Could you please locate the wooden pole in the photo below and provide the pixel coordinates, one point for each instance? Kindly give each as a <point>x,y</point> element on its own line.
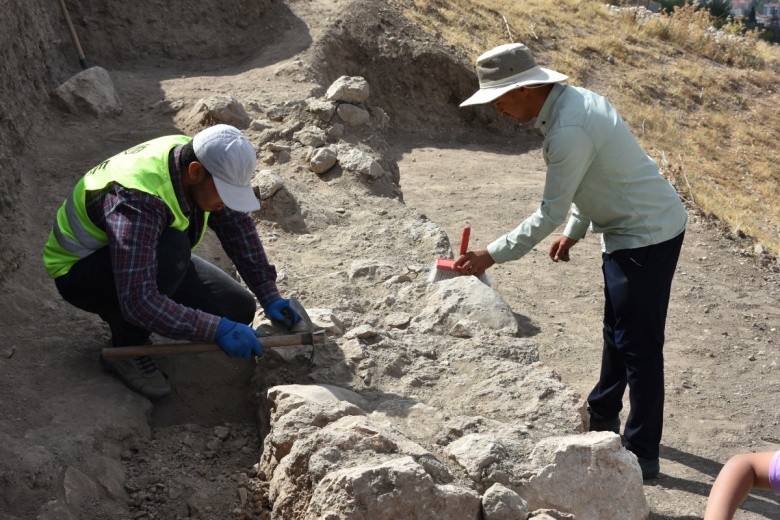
<point>82,59</point>
<point>288,340</point>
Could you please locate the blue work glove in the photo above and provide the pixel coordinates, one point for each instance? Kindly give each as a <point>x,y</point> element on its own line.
<point>281,311</point>
<point>237,339</point>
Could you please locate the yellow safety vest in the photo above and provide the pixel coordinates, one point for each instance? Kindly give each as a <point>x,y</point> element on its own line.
<point>143,168</point>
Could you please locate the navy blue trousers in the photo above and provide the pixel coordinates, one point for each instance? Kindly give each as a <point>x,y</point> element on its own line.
<point>637,284</point>
<point>185,278</point>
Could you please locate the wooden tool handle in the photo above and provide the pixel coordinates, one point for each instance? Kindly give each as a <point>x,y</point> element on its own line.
<point>288,340</point>
<point>73,37</point>
<point>464,240</point>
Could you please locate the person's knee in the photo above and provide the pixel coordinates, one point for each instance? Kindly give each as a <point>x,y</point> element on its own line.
<point>243,308</point>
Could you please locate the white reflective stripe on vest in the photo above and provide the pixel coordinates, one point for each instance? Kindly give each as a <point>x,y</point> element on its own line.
<point>70,245</point>
<point>84,243</point>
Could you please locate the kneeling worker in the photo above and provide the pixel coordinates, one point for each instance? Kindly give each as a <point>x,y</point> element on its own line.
<point>121,247</point>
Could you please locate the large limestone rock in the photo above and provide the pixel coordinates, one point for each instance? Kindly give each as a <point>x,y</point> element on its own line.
<point>476,452</point>
<point>468,303</point>
<point>352,89</point>
<point>501,503</point>
<point>359,161</point>
<point>572,464</point>
<point>89,92</point>
<point>220,109</point>
<point>323,159</point>
<point>353,115</point>
<point>266,183</point>
<point>324,109</point>
<point>311,135</point>
<point>398,488</point>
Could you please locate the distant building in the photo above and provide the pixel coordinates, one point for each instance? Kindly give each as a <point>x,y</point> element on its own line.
<point>650,5</point>
<point>772,14</point>
<point>740,8</point>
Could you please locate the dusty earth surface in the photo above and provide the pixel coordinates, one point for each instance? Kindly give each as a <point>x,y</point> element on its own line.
<point>722,336</point>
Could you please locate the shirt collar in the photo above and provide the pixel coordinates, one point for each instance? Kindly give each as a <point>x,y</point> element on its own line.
<point>175,168</point>
<point>543,119</point>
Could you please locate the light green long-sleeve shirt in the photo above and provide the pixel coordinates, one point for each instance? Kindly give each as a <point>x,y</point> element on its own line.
<point>596,169</point>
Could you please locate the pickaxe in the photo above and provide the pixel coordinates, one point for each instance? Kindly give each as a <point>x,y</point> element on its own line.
<point>312,337</point>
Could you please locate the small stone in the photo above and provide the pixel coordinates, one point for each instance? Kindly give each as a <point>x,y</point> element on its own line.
<point>237,444</point>
<point>398,320</point>
<point>460,330</point>
<point>361,332</point>
<point>401,278</point>
<point>260,125</point>
<point>283,157</point>
<point>221,432</point>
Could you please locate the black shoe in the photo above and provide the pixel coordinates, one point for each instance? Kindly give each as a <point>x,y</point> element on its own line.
<point>650,468</point>
<point>597,424</point>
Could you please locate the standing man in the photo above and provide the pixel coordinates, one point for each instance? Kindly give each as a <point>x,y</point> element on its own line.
<point>596,169</point>
<point>121,248</point>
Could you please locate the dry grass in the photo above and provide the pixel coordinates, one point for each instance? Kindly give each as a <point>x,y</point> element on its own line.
<point>705,107</point>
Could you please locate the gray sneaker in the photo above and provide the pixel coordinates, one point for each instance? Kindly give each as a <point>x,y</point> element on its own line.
<point>139,374</point>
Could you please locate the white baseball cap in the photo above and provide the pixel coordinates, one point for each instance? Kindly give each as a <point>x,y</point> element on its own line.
<point>230,158</point>
<point>506,68</point>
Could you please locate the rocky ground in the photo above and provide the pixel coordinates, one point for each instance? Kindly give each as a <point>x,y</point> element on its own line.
<point>74,437</point>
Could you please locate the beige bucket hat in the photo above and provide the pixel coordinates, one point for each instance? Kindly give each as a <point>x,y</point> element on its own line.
<point>508,67</point>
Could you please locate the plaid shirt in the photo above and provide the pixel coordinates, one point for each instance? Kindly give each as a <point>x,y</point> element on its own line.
<point>134,222</point>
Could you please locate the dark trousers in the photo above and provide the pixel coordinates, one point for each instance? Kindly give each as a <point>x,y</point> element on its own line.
<point>185,278</point>
<point>637,284</point>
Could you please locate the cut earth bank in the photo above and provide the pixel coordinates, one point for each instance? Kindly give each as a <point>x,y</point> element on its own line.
<point>437,400</point>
